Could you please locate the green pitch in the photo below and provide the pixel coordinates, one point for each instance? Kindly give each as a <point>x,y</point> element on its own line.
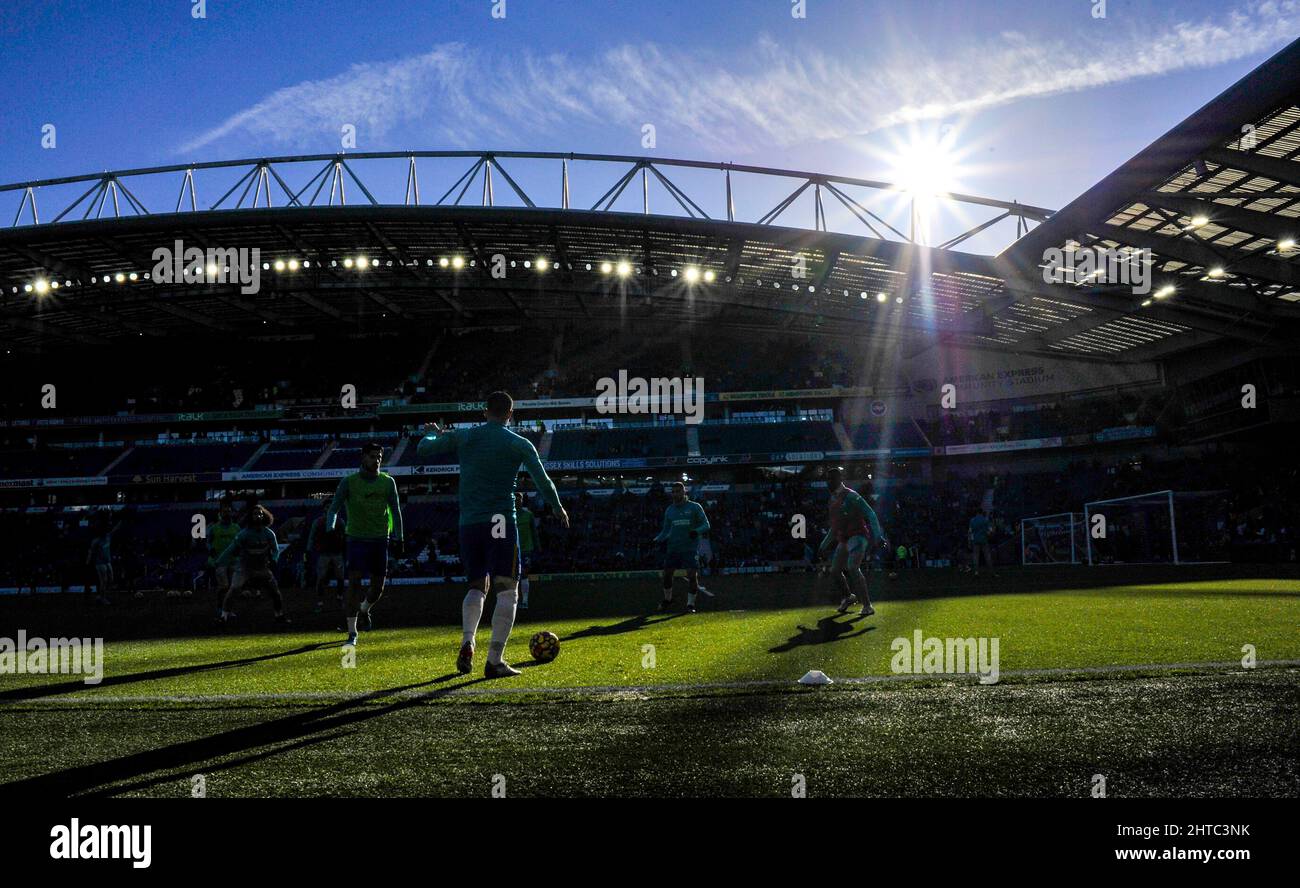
<point>284,712</point>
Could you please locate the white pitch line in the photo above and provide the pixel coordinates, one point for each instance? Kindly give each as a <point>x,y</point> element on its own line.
<point>505,690</point>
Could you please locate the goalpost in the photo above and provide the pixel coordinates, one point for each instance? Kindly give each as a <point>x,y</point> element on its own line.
<point>1052,539</point>
<point>1163,527</point>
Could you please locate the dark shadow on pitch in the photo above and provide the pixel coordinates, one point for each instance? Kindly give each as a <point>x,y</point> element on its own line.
<point>72,687</point>
<point>191,756</point>
<point>828,629</point>
<point>631,624</point>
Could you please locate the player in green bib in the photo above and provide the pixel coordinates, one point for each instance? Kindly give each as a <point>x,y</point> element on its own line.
<point>374,520</point>
<point>526,521</point>
<point>220,535</point>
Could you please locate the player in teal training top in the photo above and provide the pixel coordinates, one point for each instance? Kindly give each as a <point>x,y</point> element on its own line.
<point>849,515</point>
<point>490,456</point>
<point>684,521</point>
<point>254,551</point>
<point>374,522</point>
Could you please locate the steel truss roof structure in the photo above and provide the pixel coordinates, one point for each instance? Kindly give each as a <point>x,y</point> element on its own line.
<point>1211,206</point>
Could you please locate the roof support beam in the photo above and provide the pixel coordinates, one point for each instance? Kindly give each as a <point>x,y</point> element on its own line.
<point>1287,171</point>
<point>1264,224</point>
<point>1195,251</point>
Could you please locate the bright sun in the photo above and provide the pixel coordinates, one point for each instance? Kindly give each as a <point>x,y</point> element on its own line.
<point>925,168</point>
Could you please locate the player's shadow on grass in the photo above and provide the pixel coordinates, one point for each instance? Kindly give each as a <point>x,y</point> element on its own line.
<point>72,687</point>
<point>631,624</point>
<point>182,760</point>
<point>828,629</point>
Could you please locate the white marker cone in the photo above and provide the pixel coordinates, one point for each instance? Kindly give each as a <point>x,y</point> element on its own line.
<point>815,677</point>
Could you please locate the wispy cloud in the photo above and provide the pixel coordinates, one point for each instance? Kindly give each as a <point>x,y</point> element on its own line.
<point>777,95</point>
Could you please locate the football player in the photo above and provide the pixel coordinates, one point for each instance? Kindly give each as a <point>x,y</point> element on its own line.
<point>254,550</point>
<point>849,515</point>
<point>374,522</point>
<point>684,521</point>
<point>490,456</point>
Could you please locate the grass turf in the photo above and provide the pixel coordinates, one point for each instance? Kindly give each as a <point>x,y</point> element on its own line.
<point>399,703</point>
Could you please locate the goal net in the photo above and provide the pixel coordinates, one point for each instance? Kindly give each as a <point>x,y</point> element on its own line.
<point>1165,527</point>
<point>1053,539</point>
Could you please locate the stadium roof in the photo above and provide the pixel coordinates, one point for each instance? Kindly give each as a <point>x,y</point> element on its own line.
<point>1215,202</point>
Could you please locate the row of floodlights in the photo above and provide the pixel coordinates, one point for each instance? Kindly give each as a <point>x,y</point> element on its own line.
<point>622,268</point>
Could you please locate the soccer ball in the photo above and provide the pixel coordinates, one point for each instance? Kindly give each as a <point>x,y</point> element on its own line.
<point>545,646</point>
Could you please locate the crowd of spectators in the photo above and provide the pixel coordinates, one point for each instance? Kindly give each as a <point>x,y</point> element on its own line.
<point>1045,420</point>
<point>1249,511</point>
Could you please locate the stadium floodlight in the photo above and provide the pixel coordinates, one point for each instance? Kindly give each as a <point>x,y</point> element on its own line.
<point>362,262</point>
<point>709,276</point>
<point>133,275</point>
<point>27,288</point>
<point>212,270</point>
<point>293,264</point>
<point>1146,302</point>
<point>443,262</point>
<point>692,274</point>
<point>542,264</point>
<point>279,265</point>
<point>1216,272</point>
<point>1286,245</point>
<point>898,299</point>
<point>624,269</point>
<point>458,262</point>
<point>348,263</point>
<point>375,263</point>
<point>1164,292</point>
<point>119,277</point>
<point>42,286</point>
<point>1200,220</point>
<point>880,297</point>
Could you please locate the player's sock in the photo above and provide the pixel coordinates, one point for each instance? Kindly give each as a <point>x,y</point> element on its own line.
<point>365,605</point>
<point>352,626</point>
<point>503,620</point>
<point>471,611</point>
<point>859,582</point>
<point>523,589</point>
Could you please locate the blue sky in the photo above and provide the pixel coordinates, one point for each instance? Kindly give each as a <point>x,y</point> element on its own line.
<point>1031,101</point>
